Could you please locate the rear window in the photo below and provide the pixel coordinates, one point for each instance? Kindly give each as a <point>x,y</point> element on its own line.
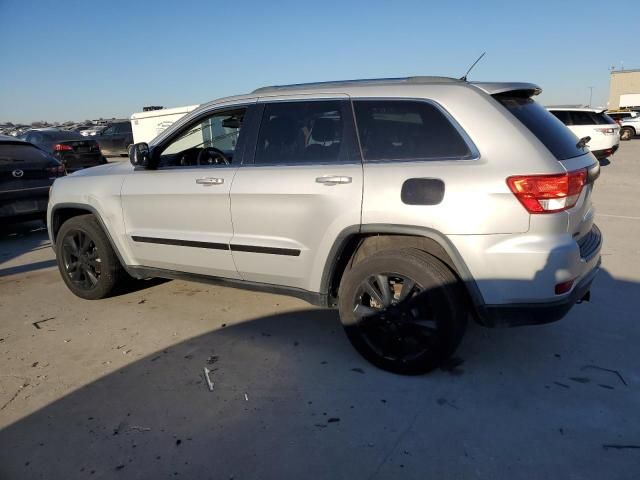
<point>407,130</point>
<point>580,117</point>
<point>63,135</point>
<point>560,141</point>
<point>11,153</point>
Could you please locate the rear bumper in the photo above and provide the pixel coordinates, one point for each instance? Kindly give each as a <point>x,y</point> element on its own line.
<point>29,202</point>
<point>512,315</point>
<point>73,162</point>
<point>604,153</point>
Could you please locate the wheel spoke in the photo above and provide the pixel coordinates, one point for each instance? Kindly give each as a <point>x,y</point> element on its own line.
<point>85,242</point>
<point>362,311</point>
<point>408,286</point>
<point>71,244</point>
<point>371,288</point>
<point>93,279</point>
<point>385,289</point>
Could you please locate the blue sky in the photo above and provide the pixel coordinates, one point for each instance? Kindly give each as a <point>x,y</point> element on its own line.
<point>72,60</point>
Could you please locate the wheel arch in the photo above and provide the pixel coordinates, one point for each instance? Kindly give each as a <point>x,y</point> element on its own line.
<point>62,212</point>
<point>354,243</point>
<point>630,127</point>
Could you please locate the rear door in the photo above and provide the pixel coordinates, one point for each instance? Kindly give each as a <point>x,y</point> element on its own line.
<point>299,188</point>
<point>178,217</point>
<point>105,139</point>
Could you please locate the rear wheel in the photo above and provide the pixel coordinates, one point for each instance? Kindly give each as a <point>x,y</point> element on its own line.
<point>404,311</point>
<point>627,133</point>
<point>86,260</point>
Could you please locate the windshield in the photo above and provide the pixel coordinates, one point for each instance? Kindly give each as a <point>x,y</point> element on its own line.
<point>560,141</point>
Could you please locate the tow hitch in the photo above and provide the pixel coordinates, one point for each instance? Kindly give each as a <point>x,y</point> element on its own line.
<point>586,297</point>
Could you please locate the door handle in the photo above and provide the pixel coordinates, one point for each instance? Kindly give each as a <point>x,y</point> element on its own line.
<point>333,180</point>
<point>208,181</point>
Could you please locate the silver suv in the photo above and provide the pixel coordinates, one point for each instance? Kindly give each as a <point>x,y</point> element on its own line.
<point>409,204</point>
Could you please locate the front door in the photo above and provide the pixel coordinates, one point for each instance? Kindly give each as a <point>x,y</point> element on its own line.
<point>300,186</point>
<point>178,217</point>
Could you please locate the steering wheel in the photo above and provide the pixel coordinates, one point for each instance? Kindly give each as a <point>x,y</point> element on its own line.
<point>212,156</point>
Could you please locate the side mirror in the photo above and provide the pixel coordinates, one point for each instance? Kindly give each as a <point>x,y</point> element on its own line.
<point>139,155</point>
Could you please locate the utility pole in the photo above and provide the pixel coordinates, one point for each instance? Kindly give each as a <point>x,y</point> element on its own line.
<point>590,95</point>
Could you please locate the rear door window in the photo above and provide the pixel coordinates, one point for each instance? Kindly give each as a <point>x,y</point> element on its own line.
<point>405,130</point>
<point>302,132</point>
<point>123,127</point>
<point>558,139</point>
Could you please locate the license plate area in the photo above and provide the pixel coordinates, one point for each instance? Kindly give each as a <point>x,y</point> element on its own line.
<point>25,206</point>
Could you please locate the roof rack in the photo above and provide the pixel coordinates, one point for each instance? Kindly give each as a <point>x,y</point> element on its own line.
<point>363,81</point>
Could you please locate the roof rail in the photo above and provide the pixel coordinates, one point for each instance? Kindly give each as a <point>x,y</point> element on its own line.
<point>362,81</point>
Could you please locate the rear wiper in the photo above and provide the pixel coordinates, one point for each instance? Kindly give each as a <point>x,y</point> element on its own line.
<point>583,142</point>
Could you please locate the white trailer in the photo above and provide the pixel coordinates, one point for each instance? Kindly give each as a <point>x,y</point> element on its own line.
<point>630,100</point>
<point>148,125</point>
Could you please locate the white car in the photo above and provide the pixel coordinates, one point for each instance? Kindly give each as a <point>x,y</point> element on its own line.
<point>603,131</point>
<point>93,131</point>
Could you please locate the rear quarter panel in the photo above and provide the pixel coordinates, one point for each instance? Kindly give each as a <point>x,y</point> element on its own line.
<point>477,200</point>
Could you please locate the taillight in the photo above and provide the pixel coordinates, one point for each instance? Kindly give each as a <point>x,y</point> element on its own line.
<point>606,131</point>
<point>548,193</point>
<point>57,171</point>
<point>564,287</point>
<point>61,147</point>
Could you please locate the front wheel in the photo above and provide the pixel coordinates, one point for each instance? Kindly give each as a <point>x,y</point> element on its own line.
<point>626,134</point>
<point>404,311</point>
<point>86,260</point>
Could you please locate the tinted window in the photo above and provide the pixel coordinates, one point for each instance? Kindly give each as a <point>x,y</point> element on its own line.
<point>583,118</point>
<point>563,116</point>
<point>123,127</point>
<point>10,153</point>
<point>406,130</point>
<point>63,135</point>
<point>299,132</point>
<point>560,141</point>
<point>604,119</point>
<point>209,142</point>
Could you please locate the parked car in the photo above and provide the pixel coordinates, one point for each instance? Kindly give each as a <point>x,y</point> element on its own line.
<point>602,130</point>
<point>629,127</point>
<point>26,175</point>
<point>409,204</point>
<point>116,138</point>
<point>619,115</point>
<point>93,131</point>
<point>72,149</point>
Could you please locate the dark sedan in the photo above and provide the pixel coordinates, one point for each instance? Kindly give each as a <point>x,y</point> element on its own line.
<point>26,174</point>
<point>72,149</point>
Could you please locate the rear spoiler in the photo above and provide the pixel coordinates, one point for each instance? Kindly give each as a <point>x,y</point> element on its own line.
<point>519,89</point>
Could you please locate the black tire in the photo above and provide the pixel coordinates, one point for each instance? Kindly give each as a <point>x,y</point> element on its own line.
<point>420,328</point>
<point>627,133</point>
<point>86,260</point>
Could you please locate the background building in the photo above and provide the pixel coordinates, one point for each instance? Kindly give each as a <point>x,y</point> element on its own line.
<point>623,82</point>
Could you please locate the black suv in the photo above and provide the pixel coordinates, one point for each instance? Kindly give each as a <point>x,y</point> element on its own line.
<point>26,174</point>
<point>116,138</point>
